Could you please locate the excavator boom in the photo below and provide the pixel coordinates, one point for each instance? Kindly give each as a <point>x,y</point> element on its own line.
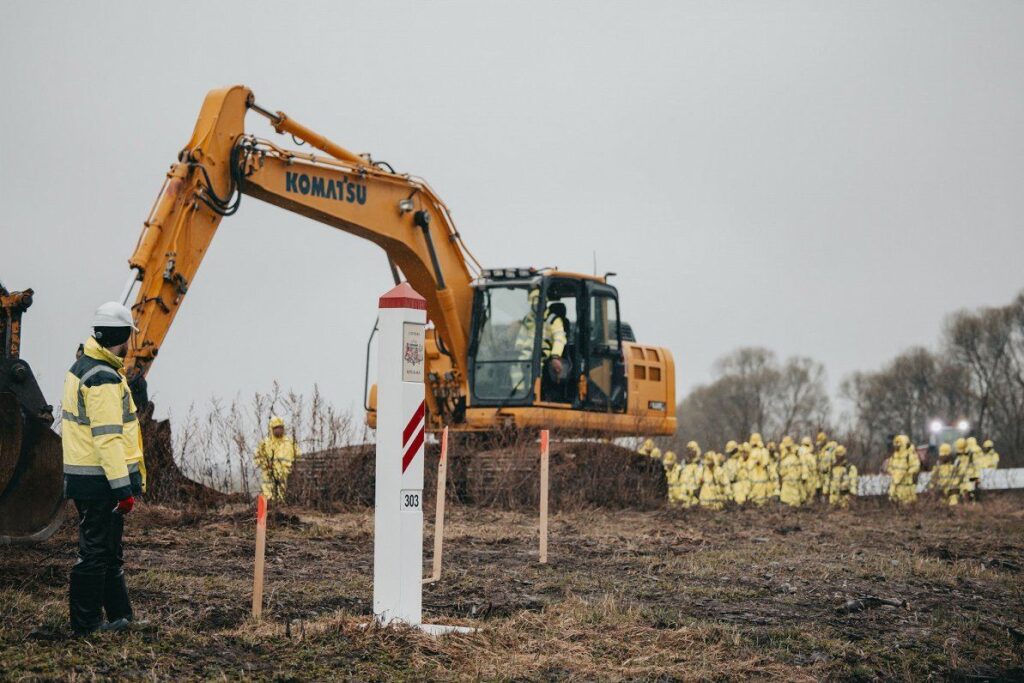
<point>405,217</point>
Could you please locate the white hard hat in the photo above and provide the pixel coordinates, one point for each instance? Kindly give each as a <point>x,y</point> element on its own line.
<point>113,314</point>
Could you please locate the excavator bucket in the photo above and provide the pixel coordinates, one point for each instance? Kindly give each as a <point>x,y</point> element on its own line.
<point>31,464</point>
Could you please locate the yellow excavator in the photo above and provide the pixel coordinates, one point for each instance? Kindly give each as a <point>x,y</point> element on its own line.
<point>489,367</point>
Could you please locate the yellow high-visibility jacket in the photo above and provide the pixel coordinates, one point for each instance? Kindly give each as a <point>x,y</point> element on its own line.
<point>826,459</point>
<point>674,477</point>
<point>966,472</point>
<point>988,460</point>
<point>553,338</point>
<point>276,455</point>
<point>793,474</point>
<point>946,480</point>
<point>100,431</point>
<point>842,483</point>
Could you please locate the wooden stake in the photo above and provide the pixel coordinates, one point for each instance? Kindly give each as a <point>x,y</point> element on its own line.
<point>544,443</point>
<point>261,546</point>
<point>442,479</point>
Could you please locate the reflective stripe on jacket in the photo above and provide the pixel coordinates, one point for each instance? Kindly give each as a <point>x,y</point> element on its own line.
<point>100,432</point>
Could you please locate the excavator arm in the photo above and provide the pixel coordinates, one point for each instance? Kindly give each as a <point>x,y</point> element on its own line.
<point>220,163</point>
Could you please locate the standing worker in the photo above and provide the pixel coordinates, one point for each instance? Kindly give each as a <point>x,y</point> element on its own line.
<point>275,457</point>
<point>842,480</point>
<point>689,478</point>
<point>715,489</point>
<point>903,468</point>
<point>990,458</point>
<point>792,473</point>
<point>826,459</point>
<point>810,463</point>
<point>966,470</point>
<point>739,475</point>
<point>103,470</point>
<point>760,472</point>
<point>673,478</point>
<point>945,479</point>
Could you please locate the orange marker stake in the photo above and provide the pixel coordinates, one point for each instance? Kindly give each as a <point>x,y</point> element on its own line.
<point>261,546</point>
<point>544,452</point>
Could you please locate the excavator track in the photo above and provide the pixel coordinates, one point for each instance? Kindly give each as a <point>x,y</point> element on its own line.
<point>584,474</point>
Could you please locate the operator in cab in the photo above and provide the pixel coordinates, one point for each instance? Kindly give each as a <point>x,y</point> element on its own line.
<point>553,340</point>
<point>103,470</point>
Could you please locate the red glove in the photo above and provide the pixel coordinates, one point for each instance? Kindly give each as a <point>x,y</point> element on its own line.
<point>125,505</point>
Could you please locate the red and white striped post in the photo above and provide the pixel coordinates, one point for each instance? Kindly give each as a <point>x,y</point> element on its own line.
<point>398,517</point>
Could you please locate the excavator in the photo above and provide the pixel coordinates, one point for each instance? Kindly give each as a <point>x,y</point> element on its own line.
<point>487,367</point>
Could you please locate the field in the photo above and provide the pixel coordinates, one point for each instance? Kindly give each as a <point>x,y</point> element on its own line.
<point>627,595</point>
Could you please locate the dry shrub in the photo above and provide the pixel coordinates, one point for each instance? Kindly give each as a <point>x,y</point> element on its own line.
<point>216,447</point>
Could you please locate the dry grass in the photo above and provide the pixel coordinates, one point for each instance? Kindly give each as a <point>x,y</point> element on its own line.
<point>628,595</point>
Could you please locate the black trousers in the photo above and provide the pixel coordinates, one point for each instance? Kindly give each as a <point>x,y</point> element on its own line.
<point>97,578</point>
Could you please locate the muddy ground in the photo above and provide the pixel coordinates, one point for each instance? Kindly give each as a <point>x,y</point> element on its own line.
<point>626,595</point>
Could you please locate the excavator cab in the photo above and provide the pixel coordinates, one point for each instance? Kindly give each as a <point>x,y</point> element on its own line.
<point>548,338</point>
<point>31,465</point>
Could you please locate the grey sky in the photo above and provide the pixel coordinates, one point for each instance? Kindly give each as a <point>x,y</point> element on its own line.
<point>827,179</point>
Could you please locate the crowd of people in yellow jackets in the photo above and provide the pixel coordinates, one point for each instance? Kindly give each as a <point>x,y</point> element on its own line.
<point>754,473</point>
<point>954,480</point>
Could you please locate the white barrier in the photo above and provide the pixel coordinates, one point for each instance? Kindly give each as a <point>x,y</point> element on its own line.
<point>398,498</point>
<point>878,484</point>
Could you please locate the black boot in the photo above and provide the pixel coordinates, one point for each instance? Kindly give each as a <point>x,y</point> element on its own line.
<point>115,597</point>
<point>85,600</point>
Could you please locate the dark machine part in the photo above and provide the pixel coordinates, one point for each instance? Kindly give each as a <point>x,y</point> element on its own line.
<point>31,464</point>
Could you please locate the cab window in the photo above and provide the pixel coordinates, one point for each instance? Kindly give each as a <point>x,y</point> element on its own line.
<point>506,341</point>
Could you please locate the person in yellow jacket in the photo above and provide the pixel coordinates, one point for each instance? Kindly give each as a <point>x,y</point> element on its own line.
<point>715,489</point>
<point>842,479</point>
<point>553,341</point>
<point>689,480</point>
<point>673,478</point>
<point>826,457</point>
<point>810,463</point>
<point>966,470</point>
<point>649,449</point>
<point>820,441</point>
<point>693,451</point>
<point>989,459</point>
<point>762,486</point>
<point>103,470</point>
<point>736,470</point>
<point>977,462</point>
<point>275,456</point>
<point>945,480</point>
<point>792,475</point>
<point>903,468</point>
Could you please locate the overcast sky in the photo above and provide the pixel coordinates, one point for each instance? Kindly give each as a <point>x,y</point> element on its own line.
<point>823,179</point>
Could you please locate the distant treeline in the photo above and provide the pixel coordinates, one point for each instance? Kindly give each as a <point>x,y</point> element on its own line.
<point>976,374</point>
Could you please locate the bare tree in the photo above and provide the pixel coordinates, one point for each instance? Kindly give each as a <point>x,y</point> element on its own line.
<point>753,393</point>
